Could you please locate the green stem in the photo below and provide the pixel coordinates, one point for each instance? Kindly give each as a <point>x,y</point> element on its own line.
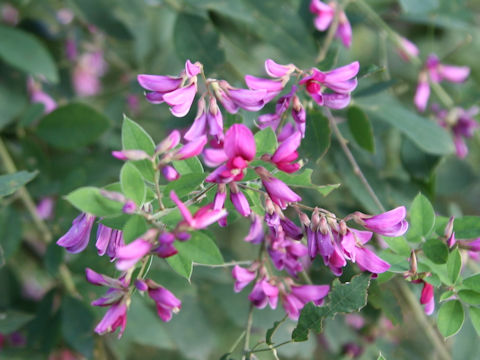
<point>235,344</point>
<point>224,265</point>
<point>46,235</point>
<point>273,346</point>
<point>248,330</point>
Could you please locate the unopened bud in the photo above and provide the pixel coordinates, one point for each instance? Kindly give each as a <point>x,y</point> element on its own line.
<point>133,155</point>
<point>168,143</point>
<point>130,207</point>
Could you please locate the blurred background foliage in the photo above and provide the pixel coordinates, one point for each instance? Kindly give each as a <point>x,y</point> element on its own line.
<point>71,148</point>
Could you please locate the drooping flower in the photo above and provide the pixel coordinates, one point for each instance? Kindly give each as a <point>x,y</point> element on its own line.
<point>256,233</point>
<point>166,248</point>
<point>37,95</point>
<point>166,302</point>
<point>233,98</point>
<point>286,154</point>
<point>90,67</point>
<point>77,237</point>
<point>128,255</point>
<point>108,241</point>
<point>116,316</point>
<point>299,295</point>
<point>407,49</point>
<point>45,208</point>
<point>324,18</point>
<point>264,293</point>
<point>277,190</point>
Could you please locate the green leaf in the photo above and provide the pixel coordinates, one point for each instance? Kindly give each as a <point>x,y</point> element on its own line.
<point>90,200</point>
<point>422,218</point>
<point>472,282</point>
<point>272,330</point>
<point>265,141</point>
<point>454,265</point>
<point>77,324</point>
<point>133,186</point>
<point>343,298</point>
<point>196,38</point>
<point>25,52</point>
<point>381,357</point>
<point>447,294</point>
<point>469,296</point>
<point>187,166</point>
<point>475,317</point>
<point>467,227</point>
<point>10,232</point>
<point>12,103</point>
<point>73,125</point>
<point>361,128</point>
<point>317,136</point>
<point>182,186</point>
<point>327,189</point>
<point>426,134</point>
<point>10,183</point>
<point>135,227</point>
<point>53,258</point>
<point>399,245</point>
<point>116,222</point>
<point>450,318</point>
<point>418,7</point>
<point>199,249</point>
<point>13,320</point>
<point>436,250</point>
<point>99,13</point>
<point>134,137</point>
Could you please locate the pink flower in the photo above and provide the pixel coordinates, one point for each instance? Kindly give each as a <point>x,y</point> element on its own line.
<point>272,87</point>
<point>294,302</point>
<point>172,140</point>
<point>264,293</point>
<point>286,154</point>
<point>239,200</point>
<point>128,255</point>
<point>391,223</point>
<point>233,98</point>
<point>115,317</point>
<point>278,71</point>
<point>165,301</point>
<point>407,49</point>
<point>422,93</point>
<point>166,248</point>
<point>169,173</point>
<point>202,218</point>
<point>45,208</point>
<point>255,234</point>
<point>324,18</point>
<point>191,149</point>
<point>133,155</point>
<point>172,89</point>
<point>242,277</point>
<point>86,74</point>
<point>76,239</point>
<point>37,95</point>
<point>427,298</point>
<point>277,190</point>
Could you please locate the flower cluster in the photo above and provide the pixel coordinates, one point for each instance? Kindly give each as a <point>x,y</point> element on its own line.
<point>324,15</point>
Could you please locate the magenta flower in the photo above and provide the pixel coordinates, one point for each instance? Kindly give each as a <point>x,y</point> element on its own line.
<point>239,200</point>
<point>115,317</point>
<point>172,140</point>
<point>436,72</point>
<point>233,98</point>
<point>242,277</point>
<point>407,49</point>
<point>285,252</point>
<point>45,208</point>
<point>37,95</point>
<point>170,173</point>
<point>128,255</point>
<point>264,293</point>
<point>202,218</point>
<point>278,71</point>
<point>133,155</point>
<point>165,301</point>
<point>108,241</point>
<point>391,223</point>
<point>177,91</point>
<point>86,75</point>
<point>165,248</point>
<point>255,234</point>
<point>277,190</point>
<point>294,302</point>
<point>272,87</point>
<point>427,298</point>
<point>286,154</point>
<point>191,149</point>
<point>324,18</point>
<point>130,207</point>
<point>76,239</point>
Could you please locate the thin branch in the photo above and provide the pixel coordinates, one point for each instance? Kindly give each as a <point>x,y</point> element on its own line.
<point>248,330</point>
<point>224,265</point>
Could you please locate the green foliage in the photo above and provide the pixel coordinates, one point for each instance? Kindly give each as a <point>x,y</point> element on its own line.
<point>361,128</point>
<point>450,318</point>
<point>90,200</point>
<point>12,320</point>
<point>266,141</point>
<point>343,298</point>
<point>200,249</point>
<point>422,218</point>
<point>12,103</point>
<point>183,186</point>
<point>436,250</point>
<point>133,186</point>
<point>135,227</point>
<point>10,183</point>
<point>454,265</point>
<point>472,282</point>
<point>72,126</point>
<point>25,52</point>
<point>10,233</point>
<point>317,136</point>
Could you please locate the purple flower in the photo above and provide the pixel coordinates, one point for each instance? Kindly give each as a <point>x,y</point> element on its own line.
<point>264,293</point>
<point>256,233</point>
<point>391,223</point>
<point>239,200</point>
<point>129,255</point>
<point>407,49</point>
<point>169,173</point>
<point>278,71</point>
<point>324,18</point>
<point>234,98</point>
<point>172,140</point>
<point>294,302</point>
<point>286,154</point>
<point>242,277</point>
<point>277,190</point>
<point>191,149</point>
<point>45,208</point>
<point>130,207</point>
<point>166,248</point>
<point>165,301</point>
<point>133,155</point>
<point>76,239</point>
<point>115,317</point>
<point>37,95</point>
<point>108,241</point>
<point>422,93</point>
<point>86,75</point>
<point>272,87</point>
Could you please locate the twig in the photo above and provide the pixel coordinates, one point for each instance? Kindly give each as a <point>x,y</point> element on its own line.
<point>356,169</point>
<point>224,265</point>
<point>248,330</point>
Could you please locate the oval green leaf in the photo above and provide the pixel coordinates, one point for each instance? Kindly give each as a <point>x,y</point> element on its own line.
<point>450,318</point>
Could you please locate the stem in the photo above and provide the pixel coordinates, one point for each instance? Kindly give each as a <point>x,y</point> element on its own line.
<point>248,329</point>
<point>235,344</point>
<point>46,235</point>
<point>420,316</point>
<point>224,265</point>
<point>332,30</point>
<point>356,169</point>
<point>157,190</point>
<point>273,346</point>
